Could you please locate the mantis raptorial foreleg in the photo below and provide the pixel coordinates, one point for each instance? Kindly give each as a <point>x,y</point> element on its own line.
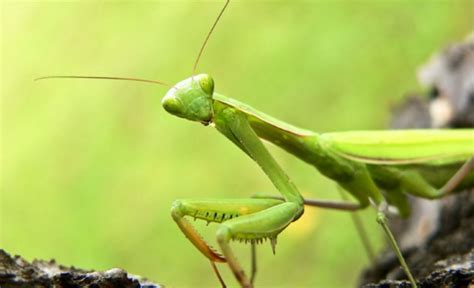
<point>215,210</point>
<point>253,227</point>
<point>255,219</point>
<point>267,223</point>
<point>337,205</point>
<point>342,206</point>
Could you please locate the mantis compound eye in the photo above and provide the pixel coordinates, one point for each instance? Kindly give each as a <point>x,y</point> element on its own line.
<point>207,83</point>
<point>172,105</point>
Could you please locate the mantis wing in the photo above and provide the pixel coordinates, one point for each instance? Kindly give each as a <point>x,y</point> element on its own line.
<point>255,115</point>
<point>399,147</point>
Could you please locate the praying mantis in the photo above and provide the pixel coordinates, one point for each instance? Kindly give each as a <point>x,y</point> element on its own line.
<point>377,168</point>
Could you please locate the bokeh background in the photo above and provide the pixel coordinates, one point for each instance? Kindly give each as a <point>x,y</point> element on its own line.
<point>90,168</point>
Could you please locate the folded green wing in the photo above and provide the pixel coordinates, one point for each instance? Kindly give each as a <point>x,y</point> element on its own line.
<point>394,147</point>
<point>255,115</point>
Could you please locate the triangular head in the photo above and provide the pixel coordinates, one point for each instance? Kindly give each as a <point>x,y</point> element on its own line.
<point>191,99</point>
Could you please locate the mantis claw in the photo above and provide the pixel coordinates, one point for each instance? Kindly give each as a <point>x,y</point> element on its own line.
<point>273,242</point>
<point>191,233</point>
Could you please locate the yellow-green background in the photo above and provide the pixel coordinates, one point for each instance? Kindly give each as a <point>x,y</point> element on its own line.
<point>90,168</point>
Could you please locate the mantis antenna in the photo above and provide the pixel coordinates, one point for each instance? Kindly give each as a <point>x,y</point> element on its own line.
<point>107,78</point>
<point>146,80</point>
<point>208,36</point>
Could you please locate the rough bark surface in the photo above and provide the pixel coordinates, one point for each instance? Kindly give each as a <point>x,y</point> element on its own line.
<point>438,239</point>
<point>17,272</point>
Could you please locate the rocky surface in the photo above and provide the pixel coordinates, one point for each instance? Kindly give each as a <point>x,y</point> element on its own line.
<point>17,272</point>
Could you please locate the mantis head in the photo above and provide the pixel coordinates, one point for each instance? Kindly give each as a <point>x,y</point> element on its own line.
<point>191,99</point>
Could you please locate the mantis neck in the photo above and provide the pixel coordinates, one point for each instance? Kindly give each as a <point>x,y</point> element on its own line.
<point>302,143</point>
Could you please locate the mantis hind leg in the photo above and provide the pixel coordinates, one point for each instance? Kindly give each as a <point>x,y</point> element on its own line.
<point>457,178</point>
<point>412,182</point>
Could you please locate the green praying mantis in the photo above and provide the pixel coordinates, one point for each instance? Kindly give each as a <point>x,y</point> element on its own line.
<point>378,168</point>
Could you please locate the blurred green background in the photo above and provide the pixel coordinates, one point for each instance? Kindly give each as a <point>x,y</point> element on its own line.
<point>90,168</point>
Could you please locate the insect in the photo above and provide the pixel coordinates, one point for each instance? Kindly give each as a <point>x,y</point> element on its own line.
<point>377,168</point>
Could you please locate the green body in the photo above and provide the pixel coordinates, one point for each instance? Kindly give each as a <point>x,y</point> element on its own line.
<point>378,167</point>
<point>398,162</point>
